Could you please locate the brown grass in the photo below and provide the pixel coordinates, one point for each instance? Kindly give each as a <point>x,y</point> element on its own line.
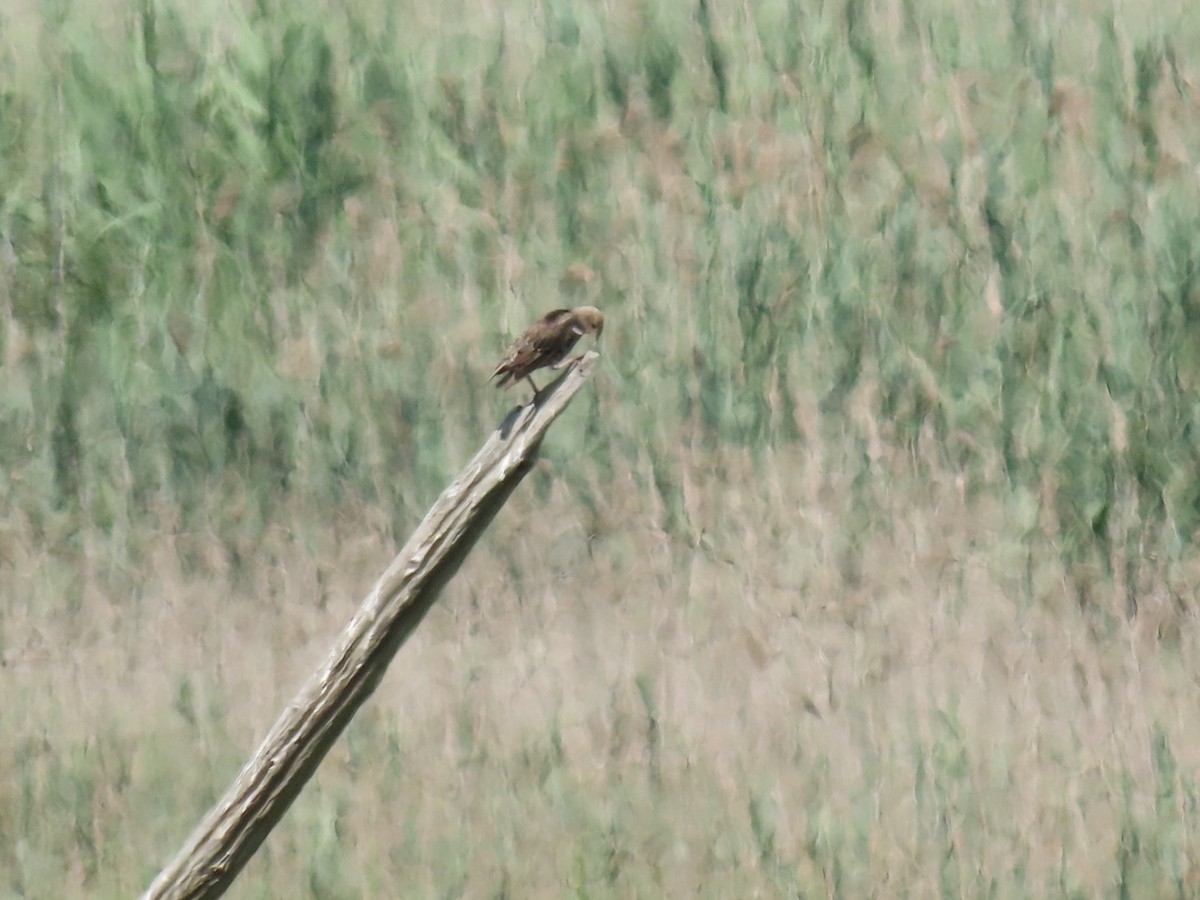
<point>915,691</point>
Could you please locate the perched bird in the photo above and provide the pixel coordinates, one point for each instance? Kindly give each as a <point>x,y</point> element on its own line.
<point>547,342</point>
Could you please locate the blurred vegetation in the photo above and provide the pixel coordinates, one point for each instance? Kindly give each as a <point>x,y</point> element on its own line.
<point>258,258</point>
<point>1006,253</point>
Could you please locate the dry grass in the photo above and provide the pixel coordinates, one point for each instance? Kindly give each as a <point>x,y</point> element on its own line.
<point>782,705</point>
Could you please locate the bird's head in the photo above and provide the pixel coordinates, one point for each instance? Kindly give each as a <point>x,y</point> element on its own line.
<point>590,320</point>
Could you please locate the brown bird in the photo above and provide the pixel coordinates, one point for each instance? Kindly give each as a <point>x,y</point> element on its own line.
<point>547,342</point>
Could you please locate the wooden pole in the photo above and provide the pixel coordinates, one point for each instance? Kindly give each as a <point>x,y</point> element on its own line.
<point>233,830</point>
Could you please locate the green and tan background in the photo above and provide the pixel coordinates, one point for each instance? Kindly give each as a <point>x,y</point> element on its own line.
<point>865,566</point>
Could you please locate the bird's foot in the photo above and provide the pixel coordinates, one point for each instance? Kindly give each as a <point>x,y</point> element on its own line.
<point>566,362</point>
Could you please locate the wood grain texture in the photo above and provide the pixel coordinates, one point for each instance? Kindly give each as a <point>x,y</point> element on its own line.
<point>233,830</point>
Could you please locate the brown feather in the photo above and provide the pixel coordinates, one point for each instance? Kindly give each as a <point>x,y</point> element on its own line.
<point>547,342</point>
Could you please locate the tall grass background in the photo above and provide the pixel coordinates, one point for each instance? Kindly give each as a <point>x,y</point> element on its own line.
<point>864,567</point>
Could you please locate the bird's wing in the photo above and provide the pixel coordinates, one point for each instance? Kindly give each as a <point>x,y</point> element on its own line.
<point>545,343</point>
<point>555,342</point>
<point>544,347</point>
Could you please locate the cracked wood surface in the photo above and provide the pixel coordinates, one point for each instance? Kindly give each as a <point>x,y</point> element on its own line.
<point>289,755</point>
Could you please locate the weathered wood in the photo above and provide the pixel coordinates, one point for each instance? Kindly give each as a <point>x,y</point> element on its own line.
<point>233,830</point>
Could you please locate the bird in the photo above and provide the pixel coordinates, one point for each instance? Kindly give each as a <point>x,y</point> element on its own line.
<point>546,343</point>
